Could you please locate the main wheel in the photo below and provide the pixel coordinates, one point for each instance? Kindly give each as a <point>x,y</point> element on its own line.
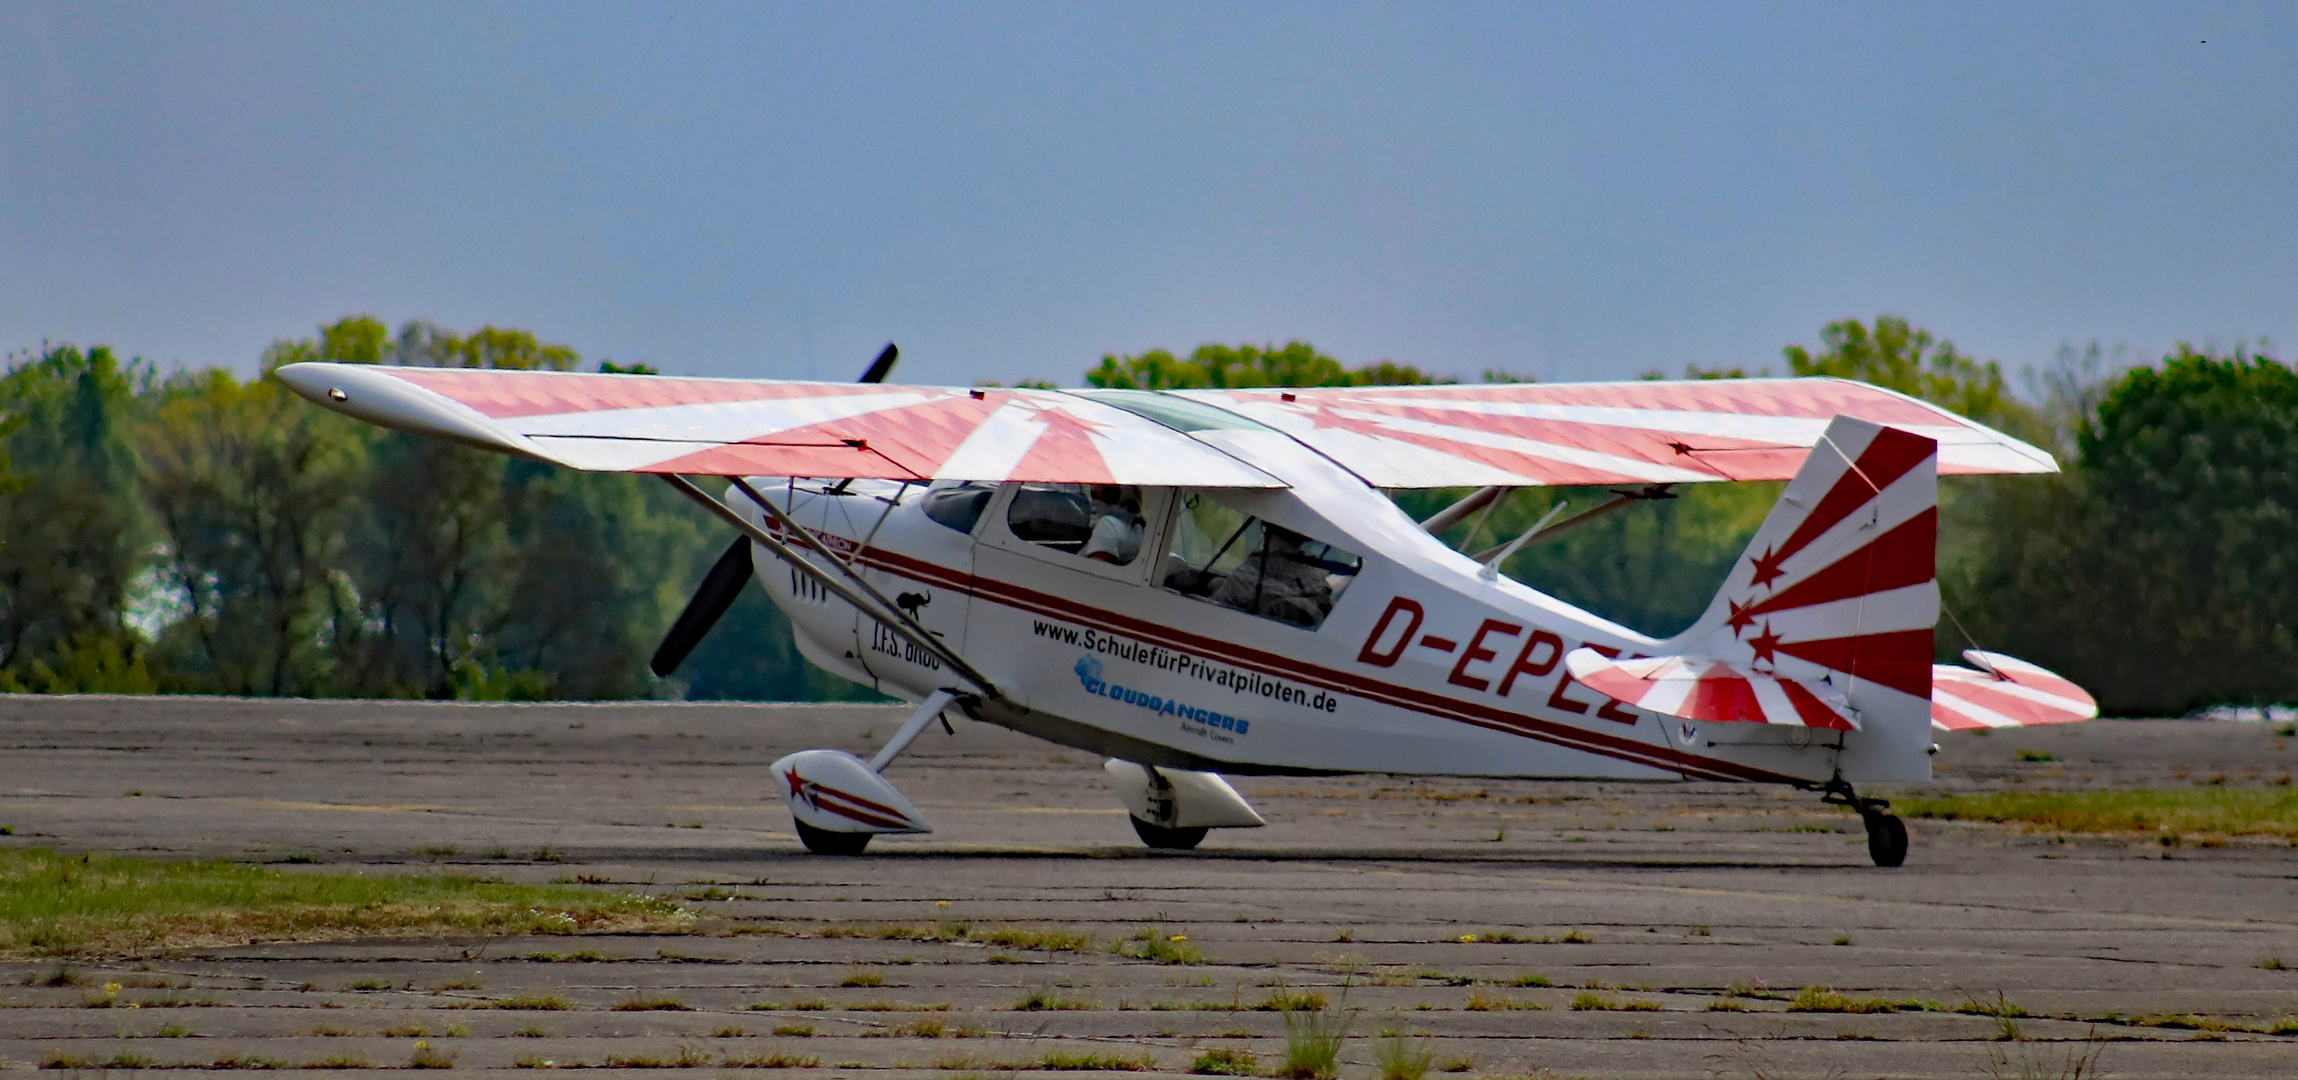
<point>1158,836</point>
<point>825,842</point>
<point>1886,839</point>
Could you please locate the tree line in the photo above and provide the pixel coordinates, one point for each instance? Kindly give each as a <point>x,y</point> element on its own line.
<point>189,531</point>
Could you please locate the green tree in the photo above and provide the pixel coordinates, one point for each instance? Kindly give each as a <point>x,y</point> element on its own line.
<point>1654,566</point>
<point>251,489</point>
<point>1297,363</point>
<point>72,535</point>
<point>2160,572</point>
<point>1897,356</point>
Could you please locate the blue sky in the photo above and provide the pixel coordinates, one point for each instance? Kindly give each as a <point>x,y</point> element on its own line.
<point>1575,191</point>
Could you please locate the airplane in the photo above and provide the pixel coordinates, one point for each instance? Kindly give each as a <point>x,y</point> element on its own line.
<point>1196,584</point>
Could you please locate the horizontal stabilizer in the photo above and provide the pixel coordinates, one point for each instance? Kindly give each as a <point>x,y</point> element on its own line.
<point>1712,691</point>
<point>2004,692</point>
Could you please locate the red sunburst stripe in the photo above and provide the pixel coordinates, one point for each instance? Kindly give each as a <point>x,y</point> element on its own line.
<point>752,459</point>
<point>1814,712</point>
<point>1725,699</point>
<point>1643,444</point>
<point>2023,710</point>
<point>1546,470</point>
<point>1892,455</point>
<point>1906,555</point>
<point>918,437</point>
<point>506,394</point>
<point>1811,400</point>
<point>1899,659</point>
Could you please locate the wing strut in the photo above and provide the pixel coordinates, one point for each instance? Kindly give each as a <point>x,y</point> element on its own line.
<point>873,605</point>
<point>1453,514</point>
<point>1620,498</point>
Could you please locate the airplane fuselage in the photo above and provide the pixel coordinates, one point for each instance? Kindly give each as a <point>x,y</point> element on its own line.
<point>1421,665</point>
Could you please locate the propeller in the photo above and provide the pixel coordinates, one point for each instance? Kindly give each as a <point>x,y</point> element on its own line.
<point>883,365</point>
<point>723,584</point>
<point>719,589</point>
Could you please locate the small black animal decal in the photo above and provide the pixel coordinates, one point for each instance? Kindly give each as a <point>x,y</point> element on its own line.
<point>910,602</point>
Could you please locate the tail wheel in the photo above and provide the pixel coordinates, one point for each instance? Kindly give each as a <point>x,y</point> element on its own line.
<point>825,842</point>
<point>1162,838</point>
<point>1886,838</point>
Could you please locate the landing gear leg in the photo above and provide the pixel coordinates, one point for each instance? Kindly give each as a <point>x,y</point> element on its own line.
<point>1886,834</point>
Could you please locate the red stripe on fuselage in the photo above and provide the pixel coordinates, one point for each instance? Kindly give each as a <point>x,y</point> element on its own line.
<point>1485,716</point>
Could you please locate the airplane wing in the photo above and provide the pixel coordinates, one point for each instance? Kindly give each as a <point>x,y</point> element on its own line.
<point>1711,691</point>
<point>1646,432</point>
<point>755,427</point>
<point>1394,437</point>
<point>2004,692</point>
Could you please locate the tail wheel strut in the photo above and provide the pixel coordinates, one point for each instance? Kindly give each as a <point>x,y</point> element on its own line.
<point>1886,834</point>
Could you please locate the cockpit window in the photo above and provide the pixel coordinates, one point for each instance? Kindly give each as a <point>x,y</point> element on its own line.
<point>1101,522</point>
<point>1223,555</point>
<point>959,505</point>
<point>1173,411</point>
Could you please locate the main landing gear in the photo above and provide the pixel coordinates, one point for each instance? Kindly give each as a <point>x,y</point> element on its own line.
<point>1886,834</point>
<point>1165,839</point>
<point>838,801</point>
<point>1173,809</point>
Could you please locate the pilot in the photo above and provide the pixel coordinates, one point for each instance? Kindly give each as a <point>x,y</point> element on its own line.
<point>1280,581</point>
<point>1116,525</point>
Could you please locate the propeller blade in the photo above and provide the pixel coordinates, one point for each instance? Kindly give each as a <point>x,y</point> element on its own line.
<point>719,589</point>
<point>724,583</point>
<point>882,366</point>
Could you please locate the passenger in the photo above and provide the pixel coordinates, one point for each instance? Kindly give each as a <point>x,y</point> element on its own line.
<point>1117,525</point>
<point>1279,581</point>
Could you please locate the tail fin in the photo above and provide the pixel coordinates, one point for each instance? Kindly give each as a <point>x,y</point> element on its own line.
<point>1841,580</point>
<point>1826,621</point>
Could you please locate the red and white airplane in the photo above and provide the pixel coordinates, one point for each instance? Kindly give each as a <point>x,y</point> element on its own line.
<point>1209,582</point>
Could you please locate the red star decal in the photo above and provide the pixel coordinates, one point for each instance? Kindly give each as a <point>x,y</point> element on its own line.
<point>796,785</point>
<point>1740,619</point>
<point>1767,567</point>
<point>1765,644</point>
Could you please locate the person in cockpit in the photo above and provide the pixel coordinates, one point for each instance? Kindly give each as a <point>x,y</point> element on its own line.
<point>1117,524</point>
<point>1280,581</point>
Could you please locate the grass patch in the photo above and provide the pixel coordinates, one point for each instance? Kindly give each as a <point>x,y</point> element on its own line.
<point>1092,1061</point>
<point>661,1004</point>
<point>2213,809</point>
<point>533,1003</point>
<point>778,1059</point>
<point>1160,948</point>
<point>1820,999</point>
<point>1222,1061</point>
<point>1313,1041</point>
<point>864,977</point>
<point>1402,1058</point>
<point>1479,1001</point>
<point>1047,1001</point>
<point>1006,937</point>
<point>2001,1008</point>
<point>106,905</point>
<point>339,1061</point>
<point>1290,1001</point>
<point>1591,1001</point>
<point>1051,1061</point>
